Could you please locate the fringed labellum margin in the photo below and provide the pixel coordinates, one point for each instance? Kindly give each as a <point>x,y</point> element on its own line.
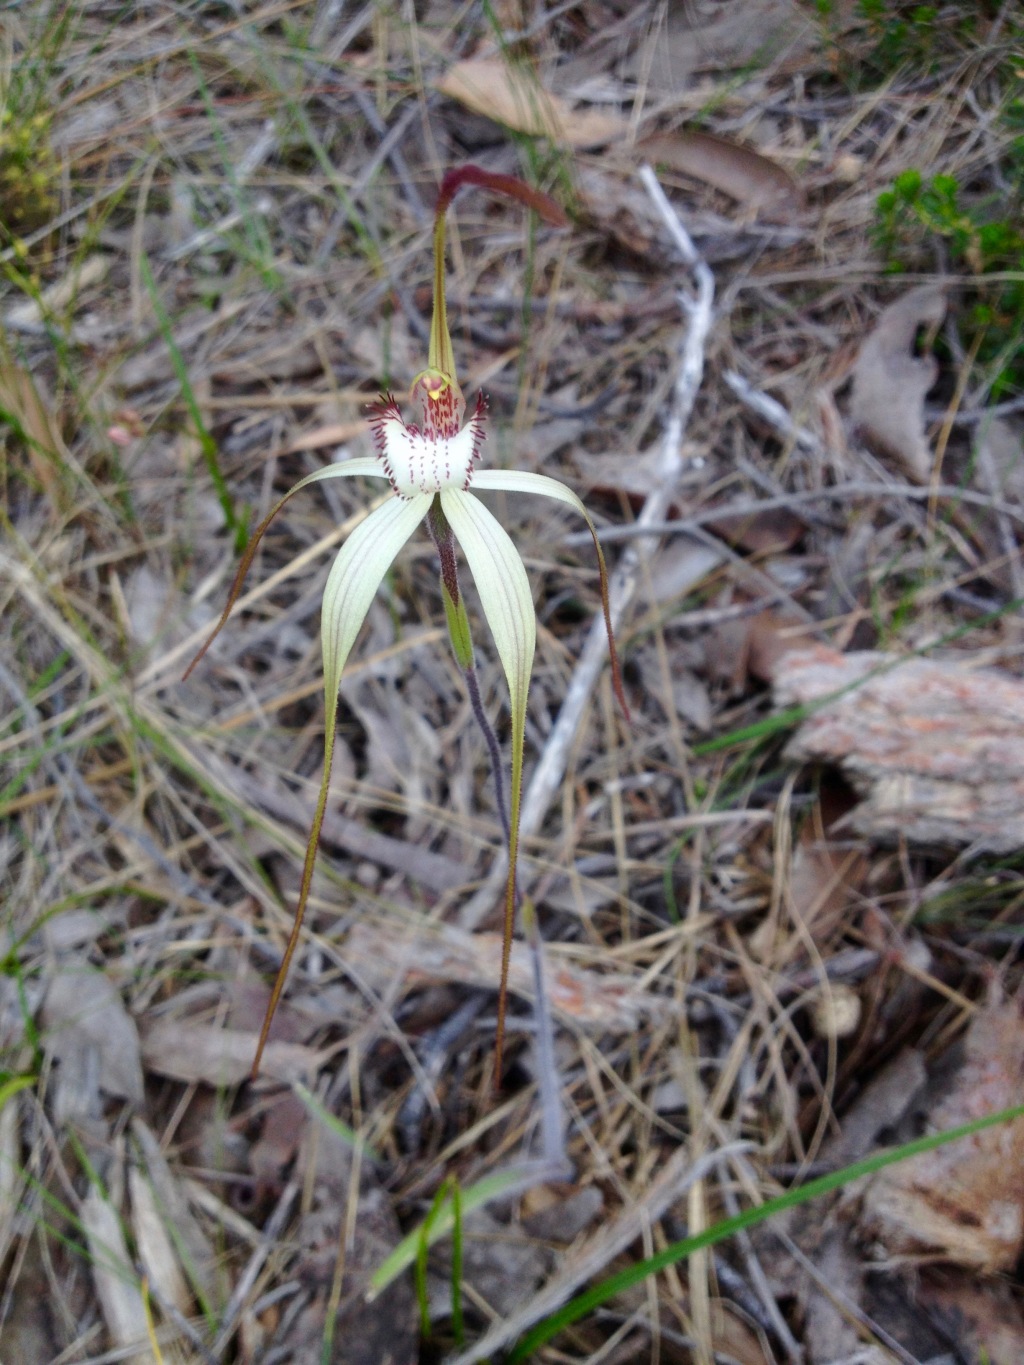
<point>432,469</point>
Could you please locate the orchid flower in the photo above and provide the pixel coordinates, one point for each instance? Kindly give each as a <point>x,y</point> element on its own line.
<point>432,470</point>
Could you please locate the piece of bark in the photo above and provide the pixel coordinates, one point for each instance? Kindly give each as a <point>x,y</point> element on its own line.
<point>936,748</point>
<point>963,1203</point>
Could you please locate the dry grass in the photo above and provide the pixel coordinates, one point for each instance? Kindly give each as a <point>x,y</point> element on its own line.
<point>226,258</point>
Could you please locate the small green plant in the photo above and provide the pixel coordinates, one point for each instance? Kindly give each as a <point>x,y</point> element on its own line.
<point>29,167</point>
<point>870,42</point>
<point>982,238</point>
<point>902,34</point>
<point>28,173</point>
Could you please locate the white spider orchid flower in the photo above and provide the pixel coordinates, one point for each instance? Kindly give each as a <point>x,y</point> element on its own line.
<point>432,470</point>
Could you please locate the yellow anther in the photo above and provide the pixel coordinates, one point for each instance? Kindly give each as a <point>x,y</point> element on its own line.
<point>432,382</point>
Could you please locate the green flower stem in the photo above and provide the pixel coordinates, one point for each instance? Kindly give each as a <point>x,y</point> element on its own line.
<point>454,603</point>
<point>462,644</point>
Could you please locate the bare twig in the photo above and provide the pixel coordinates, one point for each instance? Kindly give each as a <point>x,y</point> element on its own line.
<point>840,492</point>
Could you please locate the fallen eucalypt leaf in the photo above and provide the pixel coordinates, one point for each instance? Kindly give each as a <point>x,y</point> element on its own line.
<point>432,469</point>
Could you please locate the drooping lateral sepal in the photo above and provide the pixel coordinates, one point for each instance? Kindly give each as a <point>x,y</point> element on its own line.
<point>507,603</point>
<point>366,468</point>
<point>355,576</point>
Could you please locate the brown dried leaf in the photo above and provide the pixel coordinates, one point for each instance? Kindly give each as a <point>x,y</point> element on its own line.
<point>741,172</point>
<point>770,636</point>
<point>964,1202</point>
<point>503,92</point>
<point>93,1039</point>
<point>936,747</point>
<point>679,567</point>
<point>334,434</point>
<point>761,533</point>
<point>284,1123</point>
<point>826,872</point>
<point>890,381</point>
<point>205,1267</point>
<point>220,1056</point>
<point>154,1243</point>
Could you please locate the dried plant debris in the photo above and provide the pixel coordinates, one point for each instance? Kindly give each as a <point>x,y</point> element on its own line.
<point>218,1056</point>
<point>117,1287</point>
<point>93,1041</point>
<point>512,96</point>
<point>789,392</point>
<point>746,175</point>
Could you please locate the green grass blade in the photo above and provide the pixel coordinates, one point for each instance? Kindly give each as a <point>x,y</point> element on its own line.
<point>442,1222</point>
<point>458,1327</point>
<point>235,523</point>
<point>443,1196</point>
<point>337,1126</point>
<point>679,1251</point>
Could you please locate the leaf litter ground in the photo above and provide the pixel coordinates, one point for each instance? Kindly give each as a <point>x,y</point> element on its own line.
<point>216,254</point>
